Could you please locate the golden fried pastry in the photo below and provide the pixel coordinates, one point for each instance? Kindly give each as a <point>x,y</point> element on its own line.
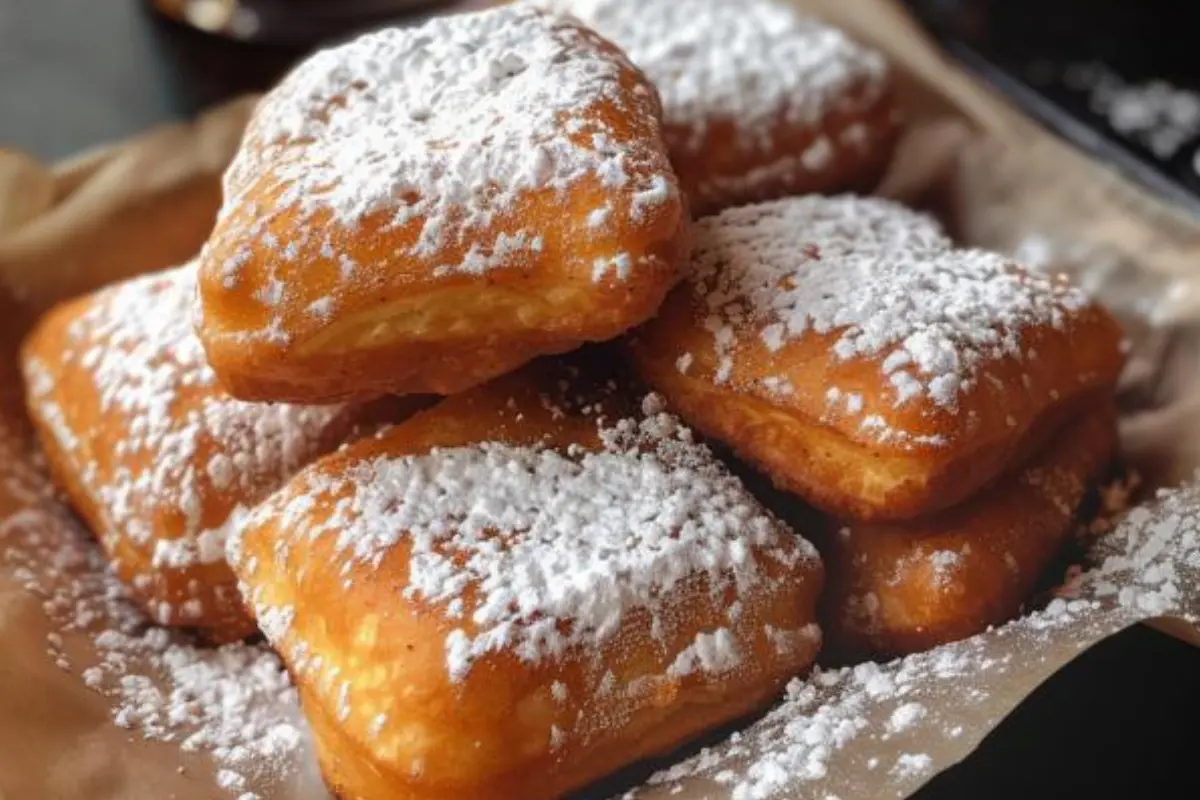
<point>154,455</point>
<point>424,209</point>
<point>519,591</point>
<point>902,588</point>
<point>847,350</point>
<point>759,101</point>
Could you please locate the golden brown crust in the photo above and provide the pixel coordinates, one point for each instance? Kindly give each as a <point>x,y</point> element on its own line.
<point>861,135</point>
<point>903,588</point>
<point>310,299</point>
<point>833,427</point>
<point>167,594</point>
<point>820,459</point>
<point>155,457</point>
<point>759,100</point>
<point>371,657</point>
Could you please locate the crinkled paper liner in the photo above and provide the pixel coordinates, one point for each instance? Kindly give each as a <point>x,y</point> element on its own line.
<point>72,644</point>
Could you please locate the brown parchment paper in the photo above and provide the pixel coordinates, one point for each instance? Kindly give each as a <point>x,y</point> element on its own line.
<point>998,181</point>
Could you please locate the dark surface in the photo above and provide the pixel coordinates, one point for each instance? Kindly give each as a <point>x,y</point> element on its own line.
<point>75,72</point>
<point>1029,48</point>
<point>1116,723</point>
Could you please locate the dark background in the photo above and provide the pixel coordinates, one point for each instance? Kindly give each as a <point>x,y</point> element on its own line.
<point>1118,722</point>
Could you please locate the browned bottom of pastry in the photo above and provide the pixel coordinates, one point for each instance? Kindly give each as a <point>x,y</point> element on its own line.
<point>902,588</point>
<point>351,774</point>
<point>847,151</point>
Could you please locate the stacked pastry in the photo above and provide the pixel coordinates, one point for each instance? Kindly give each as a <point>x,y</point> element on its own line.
<point>155,455</point>
<point>945,408</point>
<point>547,575</point>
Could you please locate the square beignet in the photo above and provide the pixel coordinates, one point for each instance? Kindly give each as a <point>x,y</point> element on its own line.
<point>894,589</point>
<point>153,453</point>
<point>521,590</point>
<point>423,209</point>
<point>759,100</point>
<point>848,350</point>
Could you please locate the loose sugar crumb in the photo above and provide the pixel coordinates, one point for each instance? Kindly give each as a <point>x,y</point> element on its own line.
<point>714,653</point>
<point>1155,114</point>
<point>911,765</point>
<point>904,717</point>
<point>945,563</point>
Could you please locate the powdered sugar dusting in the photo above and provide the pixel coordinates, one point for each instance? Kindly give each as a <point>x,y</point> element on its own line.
<point>841,732</point>
<point>714,652</point>
<point>1157,115</point>
<point>584,537</point>
<point>753,63</point>
<point>905,716</point>
<point>945,564</point>
<point>187,445</point>
<point>882,280</point>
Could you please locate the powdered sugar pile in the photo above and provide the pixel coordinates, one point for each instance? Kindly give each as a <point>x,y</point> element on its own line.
<point>234,703</point>
<point>754,63</point>
<point>1155,114</point>
<point>184,444</point>
<point>882,278</point>
<point>448,124</point>
<point>838,733</point>
<point>585,537</point>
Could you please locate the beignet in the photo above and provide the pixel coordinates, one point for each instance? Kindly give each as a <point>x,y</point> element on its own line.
<point>894,589</point>
<point>153,454</point>
<point>759,101</point>
<point>845,348</point>
<point>423,209</point>
<point>521,590</point>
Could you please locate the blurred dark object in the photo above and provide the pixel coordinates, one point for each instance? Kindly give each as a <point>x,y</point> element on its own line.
<point>292,23</point>
<point>1119,78</point>
<point>218,48</point>
<point>1112,724</point>
<point>74,73</point>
